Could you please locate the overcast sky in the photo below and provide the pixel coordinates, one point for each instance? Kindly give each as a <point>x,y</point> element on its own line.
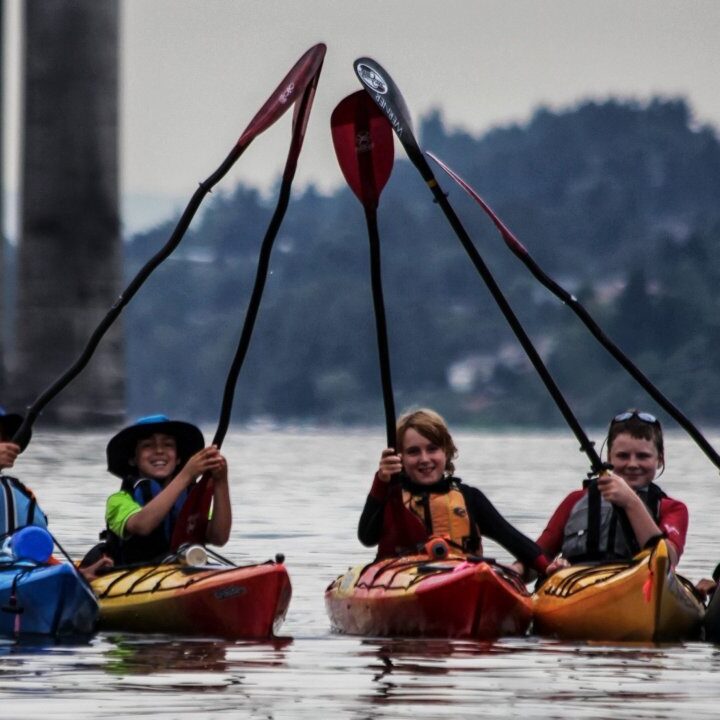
<point>195,71</point>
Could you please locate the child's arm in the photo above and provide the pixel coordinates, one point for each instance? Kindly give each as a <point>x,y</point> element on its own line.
<point>218,530</point>
<point>152,514</point>
<point>616,490</point>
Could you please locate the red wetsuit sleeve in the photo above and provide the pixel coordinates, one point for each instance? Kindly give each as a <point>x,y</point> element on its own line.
<point>674,522</point>
<point>551,538</point>
<point>379,489</point>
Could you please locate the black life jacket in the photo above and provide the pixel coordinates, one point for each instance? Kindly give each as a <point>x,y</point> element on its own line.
<point>598,531</point>
<point>144,548</point>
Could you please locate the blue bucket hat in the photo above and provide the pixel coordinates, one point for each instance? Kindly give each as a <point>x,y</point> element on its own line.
<point>9,425</point>
<point>121,448</point>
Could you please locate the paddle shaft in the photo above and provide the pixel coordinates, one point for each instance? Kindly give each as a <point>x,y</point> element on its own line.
<point>381,325</point>
<point>297,80</point>
<point>363,143</point>
<point>296,142</point>
<point>74,370</point>
<point>387,96</point>
<point>520,251</point>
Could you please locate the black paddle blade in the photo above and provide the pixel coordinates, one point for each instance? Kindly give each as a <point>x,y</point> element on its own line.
<point>386,95</point>
<point>363,142</point>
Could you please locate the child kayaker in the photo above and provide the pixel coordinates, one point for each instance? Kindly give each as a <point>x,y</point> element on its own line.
<point>628,511</point>
<point>157,459</point>
<point>415,496</point>
<point>19,508</point>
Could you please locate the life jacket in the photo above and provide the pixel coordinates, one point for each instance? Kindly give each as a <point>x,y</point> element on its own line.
<point>156,545</point>
<point>596,530</point>
<point>444,514</point>
<point>18,507</point>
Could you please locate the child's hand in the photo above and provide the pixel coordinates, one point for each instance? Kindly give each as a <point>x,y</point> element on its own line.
<point>615,490</point>
<point>220,473</point>
<point>8,454</point>
<point>390,464</point>
<point>557,564</point>
<point>208,459</point>
<point>92,572</point>
<point>706,587</point>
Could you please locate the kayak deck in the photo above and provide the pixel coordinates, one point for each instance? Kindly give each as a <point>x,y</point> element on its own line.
<point>215,600</point>
<point>639,600</point>
<point>416,596</point>
<point>49,600</point>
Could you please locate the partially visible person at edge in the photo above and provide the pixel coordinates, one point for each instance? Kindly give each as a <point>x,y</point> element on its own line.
<point>157,459</point>
<point>19,508</point>
<point>632,513</point>
<point>415,496</point>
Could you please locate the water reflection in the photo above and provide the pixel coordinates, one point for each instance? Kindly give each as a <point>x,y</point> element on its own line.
<point>320,674</point>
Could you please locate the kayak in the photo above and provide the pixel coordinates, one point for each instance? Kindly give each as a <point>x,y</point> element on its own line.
<point>416,595</point>
<point>41,599</point>
<point>218,599</point>
<point>639,600</point>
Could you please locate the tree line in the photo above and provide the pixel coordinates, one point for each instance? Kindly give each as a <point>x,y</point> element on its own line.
<point>616,200</point>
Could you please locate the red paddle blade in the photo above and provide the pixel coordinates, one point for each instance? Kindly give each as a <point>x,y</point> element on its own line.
<point>363,141</point>
<point>192,522</point>
<point>510,239</point>
<point>286,93</point>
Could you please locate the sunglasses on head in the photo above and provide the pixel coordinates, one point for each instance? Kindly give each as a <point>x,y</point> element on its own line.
<point>644,416</point>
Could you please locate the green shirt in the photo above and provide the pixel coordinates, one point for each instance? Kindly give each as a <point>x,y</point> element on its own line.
<point>118,509</point>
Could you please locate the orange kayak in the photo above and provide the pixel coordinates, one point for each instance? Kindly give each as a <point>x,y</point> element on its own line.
<point>639,600</point>
<point>214,600</point>
<point>415,595</point>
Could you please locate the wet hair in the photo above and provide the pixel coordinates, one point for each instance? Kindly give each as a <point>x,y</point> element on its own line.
<point>638,427</point>
<point>432,426</point>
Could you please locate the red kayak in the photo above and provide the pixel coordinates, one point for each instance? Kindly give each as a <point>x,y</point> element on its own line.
<point>213,600</point>
<point>415,595</point>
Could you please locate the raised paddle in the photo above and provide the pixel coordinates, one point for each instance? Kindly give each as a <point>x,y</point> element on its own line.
<point>363,142</point>
<point>191,524</point>
<point>292,87</point>
<point>388,98</point>
<point>571,301</point>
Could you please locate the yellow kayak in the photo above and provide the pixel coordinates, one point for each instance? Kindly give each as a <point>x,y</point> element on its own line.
<point>639,600</point>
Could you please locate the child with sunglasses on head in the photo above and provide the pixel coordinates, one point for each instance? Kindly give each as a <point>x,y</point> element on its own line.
<point>623,509</point>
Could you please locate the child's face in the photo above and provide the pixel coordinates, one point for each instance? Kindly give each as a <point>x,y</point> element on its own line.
<point>156,456</point>
<point>636,460</point>
<point>423,460</point>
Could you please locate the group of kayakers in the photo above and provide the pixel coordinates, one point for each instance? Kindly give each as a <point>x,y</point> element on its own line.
<point>415,497</point>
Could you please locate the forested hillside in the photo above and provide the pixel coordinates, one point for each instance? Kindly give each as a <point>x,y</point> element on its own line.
<point>617,201</point>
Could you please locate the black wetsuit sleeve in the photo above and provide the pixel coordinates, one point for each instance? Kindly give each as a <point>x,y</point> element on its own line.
<point>370,526</point>
<point>493,525</point>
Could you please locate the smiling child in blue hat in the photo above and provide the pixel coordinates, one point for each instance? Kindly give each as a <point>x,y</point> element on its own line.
<point>158,459</point>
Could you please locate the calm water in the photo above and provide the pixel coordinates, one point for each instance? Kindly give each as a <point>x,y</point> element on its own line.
<point>300,493</point>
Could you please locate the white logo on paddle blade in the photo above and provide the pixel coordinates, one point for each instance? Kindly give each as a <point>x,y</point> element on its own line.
<point>372,78</point>
<point>363,142</point>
